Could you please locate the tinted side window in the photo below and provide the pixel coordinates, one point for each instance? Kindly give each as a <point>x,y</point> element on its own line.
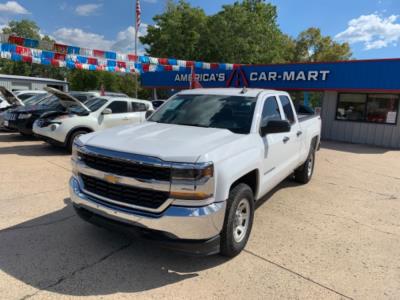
<point>81,98</point>
<point>287,108</point>
<point>25,96</point>
<point>119,107</point>
<point>270,111</point>
<point>137,106</point>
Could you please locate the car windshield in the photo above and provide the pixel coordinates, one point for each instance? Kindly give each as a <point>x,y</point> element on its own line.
<point>36,99</point>
<point>234,113</point>
<point>93,104</point>
<point>49,101</point>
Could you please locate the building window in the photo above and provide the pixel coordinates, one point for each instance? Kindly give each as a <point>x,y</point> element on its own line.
<point>373,108</point>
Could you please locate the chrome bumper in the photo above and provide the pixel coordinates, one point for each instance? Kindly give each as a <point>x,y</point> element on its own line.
<point>191,223</point>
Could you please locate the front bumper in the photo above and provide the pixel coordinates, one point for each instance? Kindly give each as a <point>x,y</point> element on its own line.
<point>176,222</point>
<point>57,136</point>
<point>24,126</point>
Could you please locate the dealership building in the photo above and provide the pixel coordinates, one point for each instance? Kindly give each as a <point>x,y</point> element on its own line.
<point>360,98</point>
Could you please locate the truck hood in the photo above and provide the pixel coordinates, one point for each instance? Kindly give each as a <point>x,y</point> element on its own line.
<point>66,100</point>
<point>166,141</point>
<point>10,97</point>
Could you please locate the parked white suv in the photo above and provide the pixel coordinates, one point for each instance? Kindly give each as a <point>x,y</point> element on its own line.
<point>192,173</point>
<point>97,113</point>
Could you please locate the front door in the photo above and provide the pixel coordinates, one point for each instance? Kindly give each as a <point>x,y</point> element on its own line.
<point>119,114</point>
<point>275,156</point>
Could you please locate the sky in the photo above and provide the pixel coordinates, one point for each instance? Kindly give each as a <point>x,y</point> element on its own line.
<point>372,27</point>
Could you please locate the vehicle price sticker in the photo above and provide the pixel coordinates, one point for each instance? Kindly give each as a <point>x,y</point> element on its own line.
<point>5,123</point>
<point>391,117</point>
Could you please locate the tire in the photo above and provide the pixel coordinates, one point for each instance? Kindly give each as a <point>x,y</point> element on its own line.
<point>73,136</point>
<point>305,172</point>
<point>25,134</point>
<point>232,241</point>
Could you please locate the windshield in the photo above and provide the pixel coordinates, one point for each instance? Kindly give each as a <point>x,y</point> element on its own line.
<point>49,101</point>
<point>35,99</point>
<point>234,113</point>
<point>93,104</point>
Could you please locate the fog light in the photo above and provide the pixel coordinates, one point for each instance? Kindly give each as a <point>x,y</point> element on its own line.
<point>53,127</point>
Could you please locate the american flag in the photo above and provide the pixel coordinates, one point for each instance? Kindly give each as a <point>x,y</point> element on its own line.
<point>138,15</point>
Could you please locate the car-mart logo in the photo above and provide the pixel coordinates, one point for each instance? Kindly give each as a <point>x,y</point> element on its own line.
<point>238,76</point>
<point>312,75</point>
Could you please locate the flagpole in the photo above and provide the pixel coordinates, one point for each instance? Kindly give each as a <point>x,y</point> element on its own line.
<point>136,40</point>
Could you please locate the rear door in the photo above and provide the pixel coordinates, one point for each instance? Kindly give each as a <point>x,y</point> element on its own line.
<point>139,110</point>
<point>291,140</point>
<point>120,114</point>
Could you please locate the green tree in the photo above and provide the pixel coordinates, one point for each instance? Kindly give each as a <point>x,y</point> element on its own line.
<point>177,32</point>
<point>312,46</point>
<point>29,29</point>
<point>246,32</point>
<point>24,28</point>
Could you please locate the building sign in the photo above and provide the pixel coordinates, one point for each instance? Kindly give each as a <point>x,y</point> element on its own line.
<point>364,75</point>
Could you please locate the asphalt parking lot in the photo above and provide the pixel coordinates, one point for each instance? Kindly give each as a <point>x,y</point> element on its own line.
<point>336,238</point>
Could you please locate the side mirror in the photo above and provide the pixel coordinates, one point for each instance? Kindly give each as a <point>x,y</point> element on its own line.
<point>149,113</point>
<point>275,126</point>
<point>107,111</point>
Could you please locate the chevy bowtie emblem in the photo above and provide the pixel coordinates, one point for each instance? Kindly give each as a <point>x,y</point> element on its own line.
<point>111,179</point>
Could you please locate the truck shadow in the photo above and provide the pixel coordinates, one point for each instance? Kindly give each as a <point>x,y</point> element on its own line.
<point>42,149</point>
<point>60,253</point>
<point>287,183</point>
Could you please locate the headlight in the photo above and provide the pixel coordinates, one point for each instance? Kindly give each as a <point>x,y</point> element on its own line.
<point>75,155</point>
<point>75,149</point>
<point>24,116</point>
<point>192,181</point>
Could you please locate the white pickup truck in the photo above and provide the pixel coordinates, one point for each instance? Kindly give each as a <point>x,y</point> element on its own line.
<point>191,174</point>
<point>62,127</point>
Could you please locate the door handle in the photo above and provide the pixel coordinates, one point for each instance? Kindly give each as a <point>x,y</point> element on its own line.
<point>299,133</point>
<point>126,119</point>
<point>286,139</point>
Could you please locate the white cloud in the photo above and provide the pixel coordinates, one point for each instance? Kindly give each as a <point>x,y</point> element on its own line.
<point>124,41</point>
<point>78,37</point>
<point>13,7</point>
<point>87,9</point>
<point>374,31</point>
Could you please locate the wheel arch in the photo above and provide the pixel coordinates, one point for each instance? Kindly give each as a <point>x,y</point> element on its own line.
<point>75,129</point>
<point>252,179</point>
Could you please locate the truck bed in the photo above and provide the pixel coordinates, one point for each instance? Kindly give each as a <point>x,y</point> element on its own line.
<point>303,117</point>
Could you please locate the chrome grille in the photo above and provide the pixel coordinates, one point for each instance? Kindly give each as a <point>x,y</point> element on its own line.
<point>126,168</point>
<point>125,194</point>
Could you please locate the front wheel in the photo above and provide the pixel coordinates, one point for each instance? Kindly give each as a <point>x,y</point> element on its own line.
<point>73,137</point>
<point>238,220</point>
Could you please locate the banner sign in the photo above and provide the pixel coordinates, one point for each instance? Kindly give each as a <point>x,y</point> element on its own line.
<point>379,75</point>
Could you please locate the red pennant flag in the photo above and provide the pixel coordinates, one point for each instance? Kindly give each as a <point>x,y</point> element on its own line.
<point>194,82</point>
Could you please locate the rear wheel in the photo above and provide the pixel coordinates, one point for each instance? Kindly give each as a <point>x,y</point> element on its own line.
<point>305,172</point>
<point>238,220</point>
<point>73,137</point>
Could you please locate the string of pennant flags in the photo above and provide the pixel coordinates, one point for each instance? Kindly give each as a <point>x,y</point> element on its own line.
<point>31,51</point>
